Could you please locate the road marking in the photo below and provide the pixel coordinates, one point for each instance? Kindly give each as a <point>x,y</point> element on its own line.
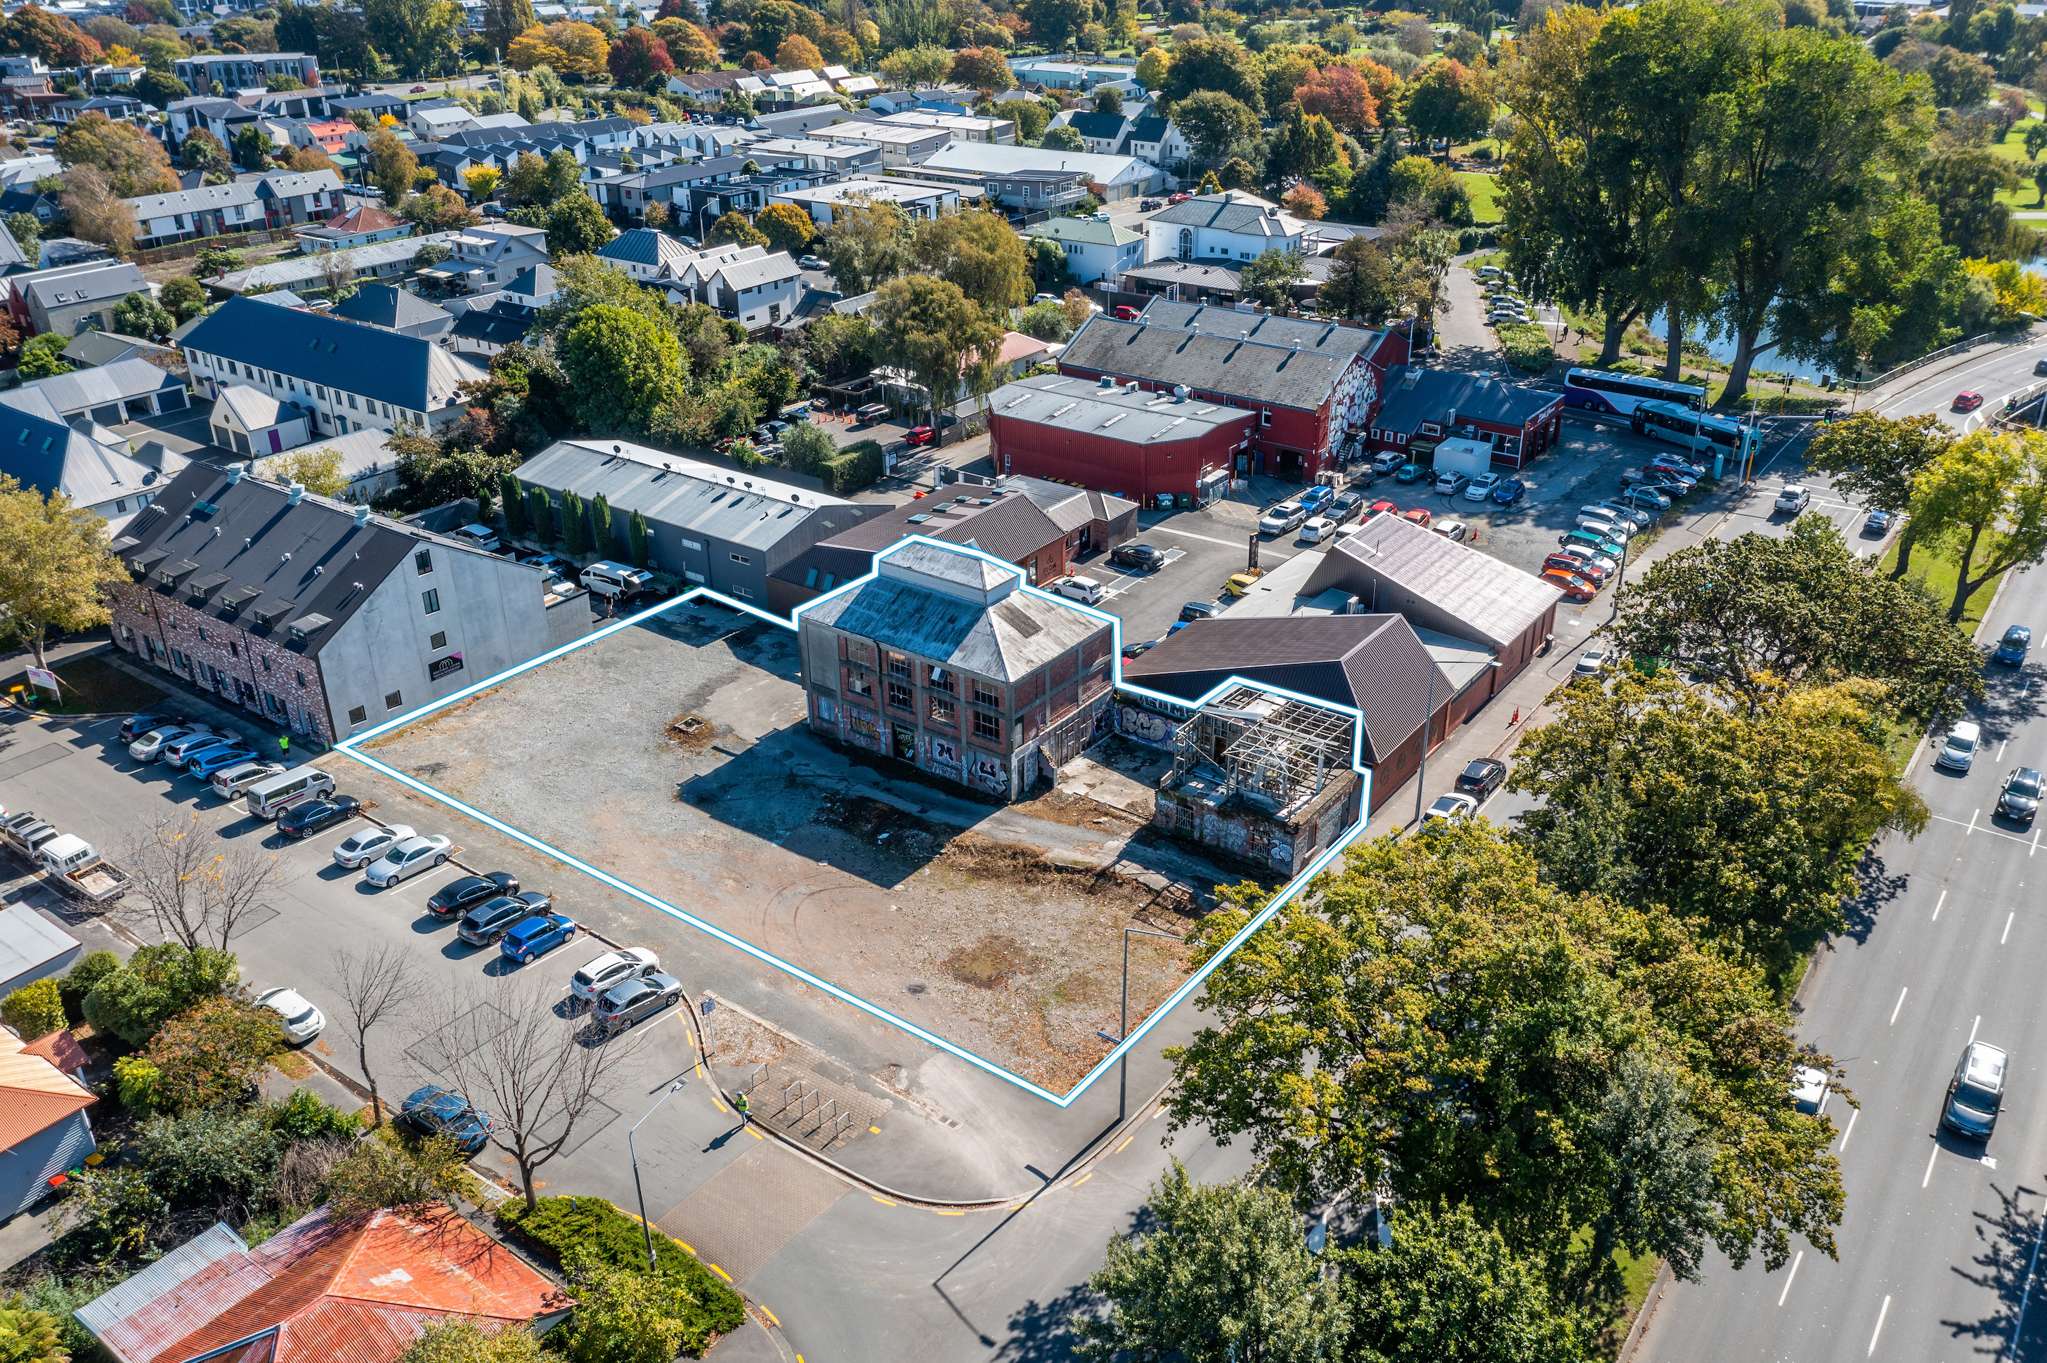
<point>2000,748</point>
<point>1989,1161</point>
<point>1881,1312</point>
<point>1931,1156</point>
<point>2025,1296</point>
<point>1899,1004</point>
<point>2036,842</point>
<point>1787,1278</point>
<point>1972,823</point>
<point>2007,927</point>
<point>1265,551</point>
<point>755,1134</point>
<point>1974,1025</point>
<point>1082,1179</point>
<point>721,1272</point>
<point>882,1200</point>
<point>1853,1113</point>
<point>947,1211</point>
<point>684,1243</point>
<point>1971,826</point>
<point>1937,904</point>
<point>1125,1145</point>
<point>776,1321</point>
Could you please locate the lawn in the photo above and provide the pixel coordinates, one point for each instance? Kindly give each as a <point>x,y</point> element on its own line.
<point>1485,196</point>
<point>1936,569</point>
<point>91,686</point>
<point>2012,147</point>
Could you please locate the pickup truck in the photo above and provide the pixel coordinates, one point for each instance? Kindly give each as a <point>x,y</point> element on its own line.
<point>75,866</point>
<point>23,834</point>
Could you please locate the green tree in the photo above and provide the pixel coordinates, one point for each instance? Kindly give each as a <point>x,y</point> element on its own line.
<point>420,37</point>
<point>908,68</point>
<point>1450,101</point>
<point>1064,137</point>
<point>1214,124</point>
<point>1218,64</point>
<point>1876,459</point>
<point>252,148</point>
<point>114,1213</point>
<point>1450,1290</point>
<point>577,226</point>
<point>159,88</point>
<point>201,150</point>
<point>1304,146</point>
<point>213,1053</point>
<point>220,1160</point>
<point>638,539</point>
<point>1270,279</point>
<point>58,568</point>
<point>936,332</point>
<point>42,357</point>
<point>734,229</point>
<point>867,243</point>
<point>431,473</point>
<point>623,369</point>
<point>376,1175</point>
<point>1221,1273</point>
<point>786,227</point>
<point>1984,500</point>
<point>1962,181</point>
<point>390,165</point>
<point>29,1336</point>
<point>626,1315</point>
<point>540,515</point>
<point>140,315</point>
<point>575,525</point>
<point>504,20</point>
<point>1748,821</point>
<point>463,1341</point>
<point>26,231</point>
<point>1361,284</point>
<point>601,538</point>
<point>514,503</point>
<point>981,254</point>
<point>1754,614</point>
<point>184,297</point>
<point>316,468</point>
<point>34,1010</point>
<point>133,161</point>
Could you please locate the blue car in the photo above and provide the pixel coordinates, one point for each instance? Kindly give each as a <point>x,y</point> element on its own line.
<point>1510,491</point>
<point>437,1111</point>
<point>536,936</point>
<point>2012,647</point>
<point>214,759</point>
<point>1317,497</point>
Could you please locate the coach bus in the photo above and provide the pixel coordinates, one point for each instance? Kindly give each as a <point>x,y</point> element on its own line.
<point>1601,390</point>
<point>1703,433</point>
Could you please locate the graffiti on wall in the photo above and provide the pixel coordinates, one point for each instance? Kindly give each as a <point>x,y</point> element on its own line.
<point>1146,726</point>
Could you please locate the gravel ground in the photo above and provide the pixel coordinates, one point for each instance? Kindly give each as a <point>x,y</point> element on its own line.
<point>673,755</point>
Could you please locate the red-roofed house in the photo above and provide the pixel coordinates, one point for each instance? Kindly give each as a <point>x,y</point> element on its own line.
<point>359,226</point>
<point>322,1290</point>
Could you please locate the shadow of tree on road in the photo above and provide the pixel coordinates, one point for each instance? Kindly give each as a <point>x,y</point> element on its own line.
<point>2006,1239</point>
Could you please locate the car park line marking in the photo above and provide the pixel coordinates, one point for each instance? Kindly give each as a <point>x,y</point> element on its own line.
<point>1988,1161</point>
<point>1082,1179</point>
<point>1931,1156</point>
<point>1972,823</point>
<point>1787,1278</point>
<point>2001,743</point>
<point>1937,904</point>
<point>1974,1025</point>
<point>1263,550</point>
<point>2036,842</point>
<point>1842,1148</point>
<point>2007,927</point>
<point>720,1272</point>
<point>1898,1005</point>
<point>1881,1312</point>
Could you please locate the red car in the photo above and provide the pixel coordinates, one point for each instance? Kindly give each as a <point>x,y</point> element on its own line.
<point>1125,313</point>
<point>1180,197</point>
<point>1574,587</point>
<point>1419,515</point>
<point>1382,507</point>
<point>1968,400</point>
<point>919,435</point>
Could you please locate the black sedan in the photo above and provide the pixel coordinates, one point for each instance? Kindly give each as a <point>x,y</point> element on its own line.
<point>1481,777</point>
<point>314,816</point>
<point>493,918</point>
<point>1143,557</point>
<point>458,897</point>
<point>2019,801</point>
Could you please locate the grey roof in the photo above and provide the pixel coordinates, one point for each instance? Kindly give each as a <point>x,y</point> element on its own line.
<point>255,410</point>
<point>104,347</point>
<point>534,281</point>
<point>83,389</point>
<point>994,520</point>
<point>502,323</point>
<point>162,1278</point>
<point>950,606</point>
<point>751,274</point>
<point>93,283</point>
<point>1200,274</point>
<point>1494,600</point>
<point>310,271</point>
<point>321,349</point>
<point>39,451</point>
<point>1414,395</point>
<point>1230,211</point>
<point>1086,230</point>
<point>674,490</point>
<point>1371,662</point>
<point>1096,127</point>
<point>1323,338</point>
<point>647,246</point>
<point>1070,507</point>
<point>11,254</point>
<point>386,305</point>
<point>364,453</point>
<point>1256,370</point>
<point>1084,406</point>
<point>308,559</point>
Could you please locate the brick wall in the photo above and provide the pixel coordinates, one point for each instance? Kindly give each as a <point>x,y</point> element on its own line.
<point>257,672</point>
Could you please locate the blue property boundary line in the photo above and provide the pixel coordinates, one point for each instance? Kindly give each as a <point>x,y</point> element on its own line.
<point>350,746</point>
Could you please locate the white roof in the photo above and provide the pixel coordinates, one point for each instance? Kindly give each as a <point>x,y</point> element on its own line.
<point>894,191</point>
<point>989,158</point>
<point>29,943</point>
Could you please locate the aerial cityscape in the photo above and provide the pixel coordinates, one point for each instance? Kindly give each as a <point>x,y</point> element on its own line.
<point>843,681</point>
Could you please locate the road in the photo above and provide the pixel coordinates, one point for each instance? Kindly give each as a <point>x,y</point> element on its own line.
<point>1940,1242</point>
<point>1996,373</point>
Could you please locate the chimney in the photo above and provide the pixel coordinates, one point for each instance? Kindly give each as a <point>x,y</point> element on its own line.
<point>235,472</point>
<point>362,515</point>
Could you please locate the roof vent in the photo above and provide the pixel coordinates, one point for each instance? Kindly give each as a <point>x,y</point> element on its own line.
<point>1179,392</point>
<point>294,494</point>
<point>1108,382</point>
<point>362,515</point>
<point>318,569</point>
<point>235,472</point>
<point>285,559</point>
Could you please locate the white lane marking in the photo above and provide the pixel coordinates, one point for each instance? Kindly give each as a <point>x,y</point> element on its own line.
<point>1842,1149</point>
<point>1972,823</point>
<point>1974,1025</point>
<point>2007,927</point>
<point>1949,376</point>
<point>2000,748</point>
<point>1790,1276</point>
<point>2035,851</point>
<point>1931,1156</point>
<point>1899,1004</point>
<point>1264,550</point>
<point>1937,904</point>
<point>1881,1312</point>
<point>1993,832</point>
<point>2025,1296</point>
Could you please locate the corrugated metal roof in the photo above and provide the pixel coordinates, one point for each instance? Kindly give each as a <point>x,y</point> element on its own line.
<point>83,389</point>
<point>321,349</point>
<point>1494,600</point>
<point>1085,407</point>
<point>34,1094</point>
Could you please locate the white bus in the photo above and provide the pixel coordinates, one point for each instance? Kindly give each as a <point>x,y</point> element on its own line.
<point>1700,432</point>
<point>1601,390</point>
<point>279,793</point>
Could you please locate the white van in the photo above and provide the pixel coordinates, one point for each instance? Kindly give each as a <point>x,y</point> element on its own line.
<point>271,798</point>
<point>615,580</point>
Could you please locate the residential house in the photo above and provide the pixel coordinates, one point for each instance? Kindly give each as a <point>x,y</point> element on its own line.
<point>358,226</point>
<point>368,464</point>
<point>480,333</point>
<point>220,118</point>
<point>899,146</point>
<point>345,375</point>
<point>797,122</point>
<point>71,298</point>
<point>647,255</point>
<point>712,527</point>
<point>961,127</point>
<point>90,349</point>
<point>1157,448</point>
<point>486,257</point>
<point>325,1289</point>
<point>1109,178</point>
<point>754,287</point>
<point>371,104</point>
<point>326,271</point>
<point>45,1134</point>
<point>316,615</point>
<point>916,198</point>
<point>1230,226</point>
<point>839,159</point>
<point>231,71</point>
<point>250,421</point>
<point>119,108</point>
<point>947,661</point>
<point>88,465</point>
<point>269,200</point>
<point>1311,384</point>
<point>120,391</point>
<point>1094,247</point>
<point>432,121</point>
<point>1423,407</point>
<point>395,309</point>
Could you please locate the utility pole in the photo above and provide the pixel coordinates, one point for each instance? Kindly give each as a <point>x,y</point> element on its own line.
<point>647,1231</point>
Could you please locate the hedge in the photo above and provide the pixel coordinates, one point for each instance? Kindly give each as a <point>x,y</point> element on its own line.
<point>34,1010</point>
<point>1526,346</point>
<point>852,468</point>
<point>560,1224</point>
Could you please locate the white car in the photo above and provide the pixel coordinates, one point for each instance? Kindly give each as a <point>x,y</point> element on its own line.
<point>408,858</point>
<point>1958,749</point>
<point>1282,518</point>
<point>150,746</point>
<point>1592,661</point>
<point>1078,588</point>
<point>1481,487</point>
<point>1317,528</point>
<point>1808,1090</point>
<point>1606,527</point>
<point>596,979</point>
<point>302,1021</point>
<point>1449,809</point>
<point>360,849</point>
<point>1793,499</point>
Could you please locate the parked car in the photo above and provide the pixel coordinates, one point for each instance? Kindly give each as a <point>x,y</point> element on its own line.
<point>1588,568</point>
<point>1199,610</point>
<point>406,859</point>
<point>1481,777</point>
<point>1317,528</point>
<point>1646,496</point>
<point>1452,530</point>
<point>301,1020</point>
<point>436,1111</point>
<point>2019,801</point>
<point>2011,649</point>
<point>477,537</point>
<point>1481,487</point>
<point>1419,515</point>
<point>1143,557</point>
<point>136,725</point>
<point>636,1000</point>
<point>1574,587</point>
<point>231,781</point>
<point>203,765</point>
<point>1879,521</point>
<point>610,970</point>
<point>1281,518</point>
<point>360,849</point>
<point>1592,661</point>
<point>536,936</point>
<point>1670,463</point>
<point>1968,400</point>
<point>1975,1094</point>
<point>1958,749</point>
<point>1628,513</point>
<point>813,263</point>
<point>316,816</point>
<point>1593,540</point>
<point>1139,649</point>
<point>491,919</point>
<point>1408,473</point>
<point>1794,498</point>
<point>1078,588</point>
<point>181,750</point>
<point>1450,483</point>
<point>1315,498</point>
<point>1382,507</point>
<point>1240,583</point>
<point>919,435</point>
<point>1808,1090</point>
<point>458,897</point>
<point>1348,503</point>
<point>1387,461</point>
<point>1595,566</point>
<point>1125,313</point>
<point>1447,810</point>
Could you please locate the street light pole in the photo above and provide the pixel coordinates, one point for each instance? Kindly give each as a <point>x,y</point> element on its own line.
<point>647,1231</point>
<point>1620,579</point>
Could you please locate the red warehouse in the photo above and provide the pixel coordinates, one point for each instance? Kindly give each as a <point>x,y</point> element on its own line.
<point>1423,407</point>
<point>1100,435</point>
<point>1310,385</point>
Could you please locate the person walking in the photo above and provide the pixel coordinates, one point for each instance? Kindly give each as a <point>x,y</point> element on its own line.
<point>740,1105</point>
